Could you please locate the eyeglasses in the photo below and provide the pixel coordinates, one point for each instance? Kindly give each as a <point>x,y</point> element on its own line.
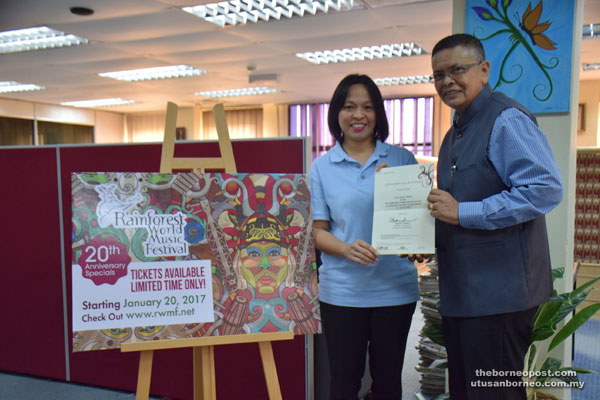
<point>453,72</point>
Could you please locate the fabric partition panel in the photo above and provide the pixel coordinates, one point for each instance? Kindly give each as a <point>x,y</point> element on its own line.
<point>34,343</point>
<point>32,337</point>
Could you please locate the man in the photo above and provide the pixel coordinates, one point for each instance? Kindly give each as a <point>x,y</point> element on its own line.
<point>497,178</point>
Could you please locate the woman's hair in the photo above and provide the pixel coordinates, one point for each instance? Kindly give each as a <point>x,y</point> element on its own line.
<point>338,99</point>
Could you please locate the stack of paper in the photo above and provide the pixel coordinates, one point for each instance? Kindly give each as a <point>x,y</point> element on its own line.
<point>432,355</point>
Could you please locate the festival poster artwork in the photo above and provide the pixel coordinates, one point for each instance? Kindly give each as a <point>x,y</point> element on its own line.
<point>167,256</point>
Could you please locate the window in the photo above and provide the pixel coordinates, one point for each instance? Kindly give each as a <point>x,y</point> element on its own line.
<point>311,120</point>
<point>410,121</point>
<point>58,133</point>
<point>16,131</point>
<point>241,124</point>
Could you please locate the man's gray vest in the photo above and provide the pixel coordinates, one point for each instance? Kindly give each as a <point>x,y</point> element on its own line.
<point>485,272</point>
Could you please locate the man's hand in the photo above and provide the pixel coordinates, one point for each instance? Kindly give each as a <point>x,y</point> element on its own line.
<point>443,206</point>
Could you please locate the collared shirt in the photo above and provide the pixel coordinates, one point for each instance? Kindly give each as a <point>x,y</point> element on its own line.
<point>522,157</point>
<point>342,193</point>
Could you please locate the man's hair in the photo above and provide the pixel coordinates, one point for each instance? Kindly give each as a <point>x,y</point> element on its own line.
<point>381,130</point>
<point>461,39</point>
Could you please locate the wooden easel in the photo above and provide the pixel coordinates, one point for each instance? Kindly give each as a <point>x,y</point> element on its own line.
<point>203,347</point>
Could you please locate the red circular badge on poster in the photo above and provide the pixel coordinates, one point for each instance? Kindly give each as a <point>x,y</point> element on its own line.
<point>104,260</point>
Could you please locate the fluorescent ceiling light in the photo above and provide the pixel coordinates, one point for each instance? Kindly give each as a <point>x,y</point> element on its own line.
<point>402,80</point>
<point>11,86</point>
<point>39,38</point>
<point>591,31</point>
<point>146,74</point>
<point>237,12</point>
<point>238,92</point>
<point>363,53</point>
<point>99,103</point>
<point>591,66</point>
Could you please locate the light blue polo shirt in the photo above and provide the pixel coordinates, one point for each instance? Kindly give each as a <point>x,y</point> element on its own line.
<point>342,193</point>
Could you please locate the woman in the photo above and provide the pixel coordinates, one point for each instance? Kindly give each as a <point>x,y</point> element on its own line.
<point>367,300</point>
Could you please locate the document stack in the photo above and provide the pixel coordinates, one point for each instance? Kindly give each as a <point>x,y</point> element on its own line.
<point>433,378</point>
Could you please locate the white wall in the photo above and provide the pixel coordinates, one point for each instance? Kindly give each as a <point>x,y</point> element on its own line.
<point>109,127</point>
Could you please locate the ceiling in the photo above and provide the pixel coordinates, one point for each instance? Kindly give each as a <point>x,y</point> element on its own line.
<point>131,34</point>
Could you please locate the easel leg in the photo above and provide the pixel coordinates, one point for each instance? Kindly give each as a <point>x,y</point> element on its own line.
<point>204,373</point>
<point>268,361</point>
<point>144,375</point>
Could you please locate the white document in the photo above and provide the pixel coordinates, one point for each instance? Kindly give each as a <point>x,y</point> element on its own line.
<point>402,223</point>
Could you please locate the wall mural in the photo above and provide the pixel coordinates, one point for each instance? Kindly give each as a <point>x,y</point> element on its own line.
<point>529,47</point>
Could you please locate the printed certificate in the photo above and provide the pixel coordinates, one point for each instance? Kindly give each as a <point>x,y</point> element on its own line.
<point>402,223</point>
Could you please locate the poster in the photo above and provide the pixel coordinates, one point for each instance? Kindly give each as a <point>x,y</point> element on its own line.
<point>529,45</point>
<point>166,256</point>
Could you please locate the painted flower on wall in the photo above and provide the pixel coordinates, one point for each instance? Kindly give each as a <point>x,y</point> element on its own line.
<point>526,32</point>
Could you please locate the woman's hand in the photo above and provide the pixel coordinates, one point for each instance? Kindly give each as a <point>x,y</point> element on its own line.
<point>361,252</point>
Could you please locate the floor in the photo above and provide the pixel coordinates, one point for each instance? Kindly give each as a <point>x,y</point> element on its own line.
<point>587,355</point>
<point>19,387</point>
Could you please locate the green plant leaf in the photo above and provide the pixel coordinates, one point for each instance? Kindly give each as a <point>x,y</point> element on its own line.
<point>542,333</point>
<point>578,297</point>
<point>567,307</point>
<point>585,286</point>
<point>578,319</point>
<point>544,320</point>
<point>551,364</point>
<point>561,376</point>
<point>560,298</point>
<point>532,353</point>
<point>435,333</point>
<point>546,313</point>
<point>546,396</point>
<point>580,370</point>
<point>558,273</point>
